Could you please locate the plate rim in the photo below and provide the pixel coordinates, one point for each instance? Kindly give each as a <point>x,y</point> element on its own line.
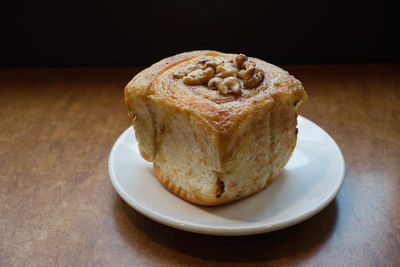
<point>221,230</point>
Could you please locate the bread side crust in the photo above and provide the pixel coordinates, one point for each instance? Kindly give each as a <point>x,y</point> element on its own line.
<point>198,197</point>
<point>144,154</point>
<point>193,197</point>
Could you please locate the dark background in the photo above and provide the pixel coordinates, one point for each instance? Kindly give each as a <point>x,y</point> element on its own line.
<point>119,33</point>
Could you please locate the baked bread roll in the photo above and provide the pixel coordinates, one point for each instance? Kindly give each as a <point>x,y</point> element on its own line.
<point>217,127</point>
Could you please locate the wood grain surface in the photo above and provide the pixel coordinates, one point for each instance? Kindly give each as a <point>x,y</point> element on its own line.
<point>58,207</point>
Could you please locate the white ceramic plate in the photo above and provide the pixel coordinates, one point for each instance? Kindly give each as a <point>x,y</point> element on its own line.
<point>310,181</point>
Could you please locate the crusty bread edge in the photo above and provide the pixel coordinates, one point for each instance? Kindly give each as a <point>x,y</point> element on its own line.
<point>196,198</point>
<point>144,154</point>
<point>199,198</point>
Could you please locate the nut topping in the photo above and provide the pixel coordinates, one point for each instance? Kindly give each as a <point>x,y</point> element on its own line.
<point>215,82</point>
<point>222,75</point>
<point>179,75</point>
<point>226,70</point>
<point>250,75</point>
<point>182,73</point>
<point>198,76</point>
<point>226,84</point>
<point>255,79</point>
<point>230,83</point>
<point>240,60</point>
<point>212,63</point>
<point>248,71</point>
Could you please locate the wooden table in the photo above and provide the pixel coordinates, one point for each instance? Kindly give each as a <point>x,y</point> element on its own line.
<point>58,207</point>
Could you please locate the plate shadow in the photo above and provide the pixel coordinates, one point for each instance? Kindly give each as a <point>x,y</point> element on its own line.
<point>304,238</point>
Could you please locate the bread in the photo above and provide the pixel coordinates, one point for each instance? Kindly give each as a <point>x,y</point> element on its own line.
<point>211,144</point>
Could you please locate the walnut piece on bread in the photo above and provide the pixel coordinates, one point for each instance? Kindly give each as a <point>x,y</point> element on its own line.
<point>229,83</point>
<point>198,76</point>
<point>203,72</point>
<point>216,139</point>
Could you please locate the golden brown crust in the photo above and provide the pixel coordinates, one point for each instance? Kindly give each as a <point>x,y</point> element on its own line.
<point>198,197</point>
<point>144,154</point>
<point>221,113</point>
